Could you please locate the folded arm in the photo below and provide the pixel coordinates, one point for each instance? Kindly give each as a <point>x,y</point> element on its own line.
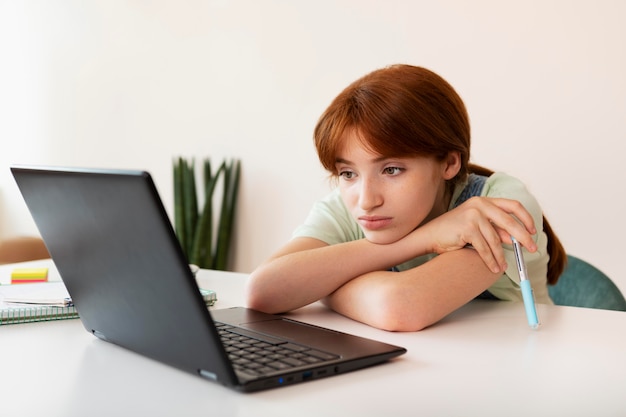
<point>307,270</point>
<point>352,276</point>
<point>417,298</point>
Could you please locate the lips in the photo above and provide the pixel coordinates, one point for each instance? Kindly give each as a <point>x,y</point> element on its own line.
<point>374,222</point>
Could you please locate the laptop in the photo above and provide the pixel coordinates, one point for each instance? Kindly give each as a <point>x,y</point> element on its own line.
<point>118,255</point>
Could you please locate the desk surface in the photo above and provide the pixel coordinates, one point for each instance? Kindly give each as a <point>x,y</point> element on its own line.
<point>481,360</point>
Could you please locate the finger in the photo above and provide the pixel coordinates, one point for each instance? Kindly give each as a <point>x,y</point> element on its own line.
<point>525,239</point>
<point>515,208</point>
<point>507,225</point>
<point>486,241</point>
<point>493,239</point>
<point>503,209</point>
<point>484,251</point>
<point>483,235</point>
<point>513,228</point>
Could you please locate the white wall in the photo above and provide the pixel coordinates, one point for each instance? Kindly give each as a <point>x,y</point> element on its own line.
<point>133,84</point>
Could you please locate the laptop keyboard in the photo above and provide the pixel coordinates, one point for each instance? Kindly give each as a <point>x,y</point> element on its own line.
<point>258,355</point>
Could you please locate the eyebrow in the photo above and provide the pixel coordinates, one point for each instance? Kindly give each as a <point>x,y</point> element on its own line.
<point>376,160</point>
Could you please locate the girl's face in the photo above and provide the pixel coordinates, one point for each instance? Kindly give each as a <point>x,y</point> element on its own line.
<point>391,197</point>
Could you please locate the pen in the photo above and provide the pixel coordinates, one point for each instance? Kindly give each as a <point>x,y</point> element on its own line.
<point>527,290</point>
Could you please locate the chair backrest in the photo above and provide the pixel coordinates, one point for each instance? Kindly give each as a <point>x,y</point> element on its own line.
<point>21,249</point>
<point>583,285</point>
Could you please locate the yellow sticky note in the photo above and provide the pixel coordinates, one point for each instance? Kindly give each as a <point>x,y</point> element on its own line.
<point>25,275</point>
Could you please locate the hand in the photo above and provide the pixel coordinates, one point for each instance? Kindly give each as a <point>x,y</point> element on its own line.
<point>485,223</point>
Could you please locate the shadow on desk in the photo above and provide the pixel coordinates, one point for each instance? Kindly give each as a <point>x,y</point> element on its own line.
<point>116,381</point>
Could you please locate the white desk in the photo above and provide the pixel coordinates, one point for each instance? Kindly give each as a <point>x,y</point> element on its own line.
<point>482,360</point>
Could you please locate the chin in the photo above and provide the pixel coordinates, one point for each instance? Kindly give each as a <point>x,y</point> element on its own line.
<point>382,238</point>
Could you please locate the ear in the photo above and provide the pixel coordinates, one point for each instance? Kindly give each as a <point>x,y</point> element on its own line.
<point>451,165</point>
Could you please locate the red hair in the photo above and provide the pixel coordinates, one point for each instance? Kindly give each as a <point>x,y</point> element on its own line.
<point>400,110</point>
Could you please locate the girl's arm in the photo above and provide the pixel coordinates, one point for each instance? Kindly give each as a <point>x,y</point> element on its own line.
<point>414,299</point>
<point>307,269</point>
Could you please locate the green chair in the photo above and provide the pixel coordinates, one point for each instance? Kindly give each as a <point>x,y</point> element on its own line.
<point>583,285</point>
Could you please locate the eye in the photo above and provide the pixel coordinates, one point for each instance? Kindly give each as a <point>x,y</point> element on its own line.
<point>392,171</point>
<point>347,175</point>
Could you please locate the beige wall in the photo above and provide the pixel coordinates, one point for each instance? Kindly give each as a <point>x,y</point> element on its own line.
<point>134,83</point>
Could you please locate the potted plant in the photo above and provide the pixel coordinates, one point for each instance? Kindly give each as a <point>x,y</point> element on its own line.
<point>205,242</point>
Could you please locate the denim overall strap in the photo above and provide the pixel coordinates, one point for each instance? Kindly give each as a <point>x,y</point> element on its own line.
<point>475,185</point>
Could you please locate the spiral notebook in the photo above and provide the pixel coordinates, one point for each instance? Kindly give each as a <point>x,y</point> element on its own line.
<point>47,301</point>
<point>24,303</point>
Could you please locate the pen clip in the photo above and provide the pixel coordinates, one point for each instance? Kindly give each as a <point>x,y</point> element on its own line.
<point>519,260</point>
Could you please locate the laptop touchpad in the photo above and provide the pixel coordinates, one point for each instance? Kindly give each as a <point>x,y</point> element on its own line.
<point>287,329</point>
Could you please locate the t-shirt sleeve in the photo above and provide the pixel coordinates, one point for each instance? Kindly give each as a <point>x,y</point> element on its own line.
<point>330,222</point>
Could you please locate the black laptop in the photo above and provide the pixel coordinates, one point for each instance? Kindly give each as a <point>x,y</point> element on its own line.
<point>114,246</point>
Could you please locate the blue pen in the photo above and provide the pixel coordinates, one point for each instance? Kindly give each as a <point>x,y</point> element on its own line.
<point>527,290</point>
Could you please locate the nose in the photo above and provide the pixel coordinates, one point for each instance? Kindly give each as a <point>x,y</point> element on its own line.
<point>370,195</point>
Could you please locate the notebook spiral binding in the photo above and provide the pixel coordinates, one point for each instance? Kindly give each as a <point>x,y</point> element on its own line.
<point>38,313</point>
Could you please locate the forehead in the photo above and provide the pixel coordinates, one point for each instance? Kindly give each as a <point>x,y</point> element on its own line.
<point>353,141</point>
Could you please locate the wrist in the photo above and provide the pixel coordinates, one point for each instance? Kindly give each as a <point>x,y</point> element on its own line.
<point>410,246</point>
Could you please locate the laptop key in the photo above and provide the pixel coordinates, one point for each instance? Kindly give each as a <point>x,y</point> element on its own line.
<point>293,361</point>
<point>279,365</point>
<point>276,356</point>
<point>244,374</point>
<point>293,346</point>
<point>322,355</point>
<point>264,370</point>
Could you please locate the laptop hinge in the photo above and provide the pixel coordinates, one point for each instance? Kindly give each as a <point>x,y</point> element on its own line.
<point>99,335</point>
<point>207,374</point>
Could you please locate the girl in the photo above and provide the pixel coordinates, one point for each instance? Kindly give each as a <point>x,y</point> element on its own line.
<point>413,231</point>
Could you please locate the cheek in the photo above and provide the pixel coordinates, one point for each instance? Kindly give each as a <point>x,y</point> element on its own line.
<point>414,208</point>
<point>349,196</point>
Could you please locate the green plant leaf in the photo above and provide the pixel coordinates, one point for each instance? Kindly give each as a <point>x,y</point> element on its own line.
<point>227,214</point>
<point>190,202</point>
<point>202,245</point>
<point>179,211</point>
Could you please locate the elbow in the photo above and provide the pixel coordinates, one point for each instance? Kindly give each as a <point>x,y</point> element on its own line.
<point>399,313</point>
<point>393,321</point>
<point>253,296</point>
<point>257,297</point>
